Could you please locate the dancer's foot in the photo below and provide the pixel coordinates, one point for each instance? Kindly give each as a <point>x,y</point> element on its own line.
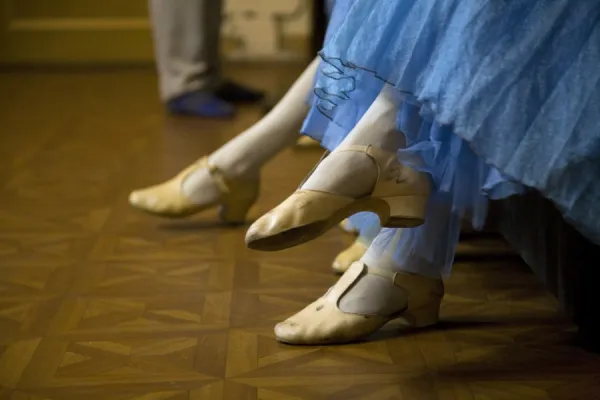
<point>306,142</point>
<point>350,180</point>
<point>347,257</point>
<point>197,188</point>
<point>360,303</point>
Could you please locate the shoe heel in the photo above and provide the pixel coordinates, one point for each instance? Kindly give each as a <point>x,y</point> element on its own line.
<point>406,211</point>
<point>423,316</point>
<point>236,213</point>
<point>236,204</point>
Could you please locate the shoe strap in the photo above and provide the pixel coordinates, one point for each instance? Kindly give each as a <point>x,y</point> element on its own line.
<point>383,273</point>
<point>356,270</point>
<point>422,290</point>
<point>368,150</point>
<point>217,175</point>
<point>377,154</point>
<point>352,275</point>
<point>382,159</point>
<point>358,148</point>
<point>324,156</point>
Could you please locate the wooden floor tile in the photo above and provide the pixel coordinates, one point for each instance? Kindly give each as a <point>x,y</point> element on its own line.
<point>100,302</point>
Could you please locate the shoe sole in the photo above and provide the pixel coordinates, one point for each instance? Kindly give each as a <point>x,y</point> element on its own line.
<point>305,233</point>
<point>183,215</point>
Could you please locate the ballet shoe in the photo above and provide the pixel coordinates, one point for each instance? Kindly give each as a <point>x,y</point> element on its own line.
<point>168,200</point>
<point>306,142</point>
<point>399,197</point>
<point>345,258</point>
<point>323,322</point>
<point>347,227</point>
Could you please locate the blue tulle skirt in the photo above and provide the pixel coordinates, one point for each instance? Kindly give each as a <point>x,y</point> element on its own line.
<point>495,98</point>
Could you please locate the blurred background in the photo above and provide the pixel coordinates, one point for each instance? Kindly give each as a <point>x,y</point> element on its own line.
<point>118,32</point>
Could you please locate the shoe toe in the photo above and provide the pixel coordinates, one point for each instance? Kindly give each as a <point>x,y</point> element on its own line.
<point>147,201</point>
<point>339,266</point>
<point>268,225</point>
<point>138,199</point>
<point>134,198</point>
<point>257,230</point>
<point>287,332</point>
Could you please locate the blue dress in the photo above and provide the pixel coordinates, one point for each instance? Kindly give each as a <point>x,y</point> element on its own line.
<point>497,97</point>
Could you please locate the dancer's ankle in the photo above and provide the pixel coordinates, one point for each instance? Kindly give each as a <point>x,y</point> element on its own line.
<point>239,170</point>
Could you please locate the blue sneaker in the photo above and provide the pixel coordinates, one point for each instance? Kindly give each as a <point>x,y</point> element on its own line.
<point>201,104</point>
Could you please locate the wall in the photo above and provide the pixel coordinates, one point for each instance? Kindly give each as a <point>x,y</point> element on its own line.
<point>274,29</point>
<point>117,31</point>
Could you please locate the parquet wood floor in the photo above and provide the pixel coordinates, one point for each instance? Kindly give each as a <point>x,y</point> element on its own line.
<point>100,302</point>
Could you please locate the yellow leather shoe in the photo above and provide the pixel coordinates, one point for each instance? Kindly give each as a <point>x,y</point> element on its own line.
<point>352,254</point>
<point>322,322</point>
<point>347,227</point>
<point>306,142</point>
<point>167,199</point>
<point>399,198</point>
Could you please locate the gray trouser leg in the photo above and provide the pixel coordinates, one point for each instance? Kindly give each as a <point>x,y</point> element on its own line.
<point>186,38</point>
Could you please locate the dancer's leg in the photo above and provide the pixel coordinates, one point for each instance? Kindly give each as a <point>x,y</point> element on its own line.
<point>362,174</point>
<point>391,280</point>
<point>354,173</point>
<point>237,163</point>
<point>249,151</point>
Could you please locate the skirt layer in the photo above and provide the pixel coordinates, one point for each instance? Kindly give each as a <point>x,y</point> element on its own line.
<point>496,97</point>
